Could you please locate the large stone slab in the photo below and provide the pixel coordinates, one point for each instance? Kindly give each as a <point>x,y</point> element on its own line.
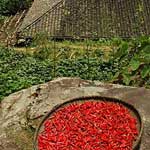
<point>21,112</point>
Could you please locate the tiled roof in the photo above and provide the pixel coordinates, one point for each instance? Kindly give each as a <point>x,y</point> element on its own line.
<point>38,8</point>
<point>88,18</point>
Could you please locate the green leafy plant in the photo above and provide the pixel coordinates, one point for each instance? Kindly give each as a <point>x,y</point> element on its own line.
<point>134,63</point>
<point>128,64</point>
<point>18,71</point>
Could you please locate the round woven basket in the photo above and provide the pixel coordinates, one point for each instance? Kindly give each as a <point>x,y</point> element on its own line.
<point>134,112</point>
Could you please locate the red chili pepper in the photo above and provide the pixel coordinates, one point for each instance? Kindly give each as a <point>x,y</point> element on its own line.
<point>90,125</point>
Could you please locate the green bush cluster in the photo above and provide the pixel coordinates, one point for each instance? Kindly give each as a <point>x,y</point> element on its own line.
<point>90,69</point>
<point>18,71</point>
<point>10,7</point>
<point>133,59</point>
<point>128,64</point>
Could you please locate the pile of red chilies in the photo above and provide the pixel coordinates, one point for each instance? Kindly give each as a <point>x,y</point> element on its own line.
<point>91,125</point>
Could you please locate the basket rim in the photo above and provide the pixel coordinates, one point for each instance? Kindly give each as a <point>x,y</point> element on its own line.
<point>88,98</point>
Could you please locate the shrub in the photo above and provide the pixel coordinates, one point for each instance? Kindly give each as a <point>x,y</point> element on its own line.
<point>10,7</point>
<point>133,59</point>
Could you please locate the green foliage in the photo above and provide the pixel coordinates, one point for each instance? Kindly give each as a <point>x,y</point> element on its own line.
<point>41,43</point>
<point>134,63</point>
<point>92,69</point>
<point>18,71</point>
<point>10,7</point>
<point>128,64</point>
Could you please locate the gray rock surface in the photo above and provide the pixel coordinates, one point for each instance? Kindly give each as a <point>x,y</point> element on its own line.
<point>21,112</point>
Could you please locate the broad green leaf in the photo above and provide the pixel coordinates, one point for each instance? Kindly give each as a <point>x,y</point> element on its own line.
<point>126,79</point>
<point>124,46</point>
<point>134,64</point>
<point>145,71</point>
<point>146,49</point>
<point>123,50</point>
<point>116,75</point>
